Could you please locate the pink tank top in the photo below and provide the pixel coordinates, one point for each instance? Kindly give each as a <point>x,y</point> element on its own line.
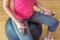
<point>23,8</point>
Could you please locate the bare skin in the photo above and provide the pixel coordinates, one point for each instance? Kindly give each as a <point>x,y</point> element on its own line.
<point>7,8</point>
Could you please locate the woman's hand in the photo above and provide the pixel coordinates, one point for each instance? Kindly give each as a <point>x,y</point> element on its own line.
<point>20,26</point>
<point>46,11</point>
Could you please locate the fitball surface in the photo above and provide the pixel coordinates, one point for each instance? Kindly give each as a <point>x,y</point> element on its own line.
<point>35,30</point>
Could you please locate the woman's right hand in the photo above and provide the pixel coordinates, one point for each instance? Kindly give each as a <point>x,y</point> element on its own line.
<point>20,26</point>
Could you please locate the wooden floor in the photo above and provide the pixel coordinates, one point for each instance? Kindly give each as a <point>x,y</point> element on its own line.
<point>50,4</point>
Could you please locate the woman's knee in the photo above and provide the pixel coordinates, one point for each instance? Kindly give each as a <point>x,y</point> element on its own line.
<point>53,25</point>
<point>55,22</point>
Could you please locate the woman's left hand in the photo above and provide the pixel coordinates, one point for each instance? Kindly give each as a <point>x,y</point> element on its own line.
<point>46,11</point>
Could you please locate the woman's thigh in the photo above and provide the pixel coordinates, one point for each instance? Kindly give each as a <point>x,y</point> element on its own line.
<point>43,19</point>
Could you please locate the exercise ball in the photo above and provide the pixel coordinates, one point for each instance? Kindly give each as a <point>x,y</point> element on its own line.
<point>35,30</point>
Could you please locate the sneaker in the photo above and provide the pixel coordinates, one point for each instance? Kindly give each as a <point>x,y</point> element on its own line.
<point>47,39</point>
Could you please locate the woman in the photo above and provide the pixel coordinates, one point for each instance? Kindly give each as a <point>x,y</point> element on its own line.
<point>23,10</point>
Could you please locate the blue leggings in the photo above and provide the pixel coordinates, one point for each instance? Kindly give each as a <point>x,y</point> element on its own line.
<point>44,19</point>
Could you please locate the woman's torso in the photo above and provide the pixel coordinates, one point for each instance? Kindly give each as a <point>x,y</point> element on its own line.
<point>23,8</point>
